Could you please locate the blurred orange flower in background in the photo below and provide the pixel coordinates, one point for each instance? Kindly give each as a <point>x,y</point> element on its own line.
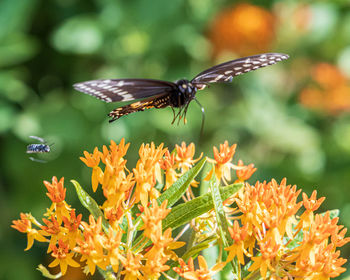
<point>330,91</point>
<point>244,29</point>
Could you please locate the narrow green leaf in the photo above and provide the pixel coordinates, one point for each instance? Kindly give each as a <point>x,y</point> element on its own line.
<point>90,204</point>
<point>219,211</point>
<point>107,274</point>
<point>192,252</point>
<point>195,250</point>
<point>221,219</point>
<point>176,190</point>
<point>183,213</point>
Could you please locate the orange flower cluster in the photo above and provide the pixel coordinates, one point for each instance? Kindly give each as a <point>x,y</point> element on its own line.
<point>244,29</point>
<point>330,92</point>
<point>223,164</point>
<point>119,240</point>
<point>303,248</point>
<point>177,163</point>
<point>62,227</point>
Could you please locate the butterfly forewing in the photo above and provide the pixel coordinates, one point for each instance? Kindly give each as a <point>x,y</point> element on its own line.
<point>113,90</point>
<point>226,71</point>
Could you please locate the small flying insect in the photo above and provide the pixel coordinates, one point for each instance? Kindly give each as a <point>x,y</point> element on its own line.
<point>44,147</point>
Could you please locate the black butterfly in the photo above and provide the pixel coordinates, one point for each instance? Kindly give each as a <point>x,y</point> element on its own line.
<point>161,94</point>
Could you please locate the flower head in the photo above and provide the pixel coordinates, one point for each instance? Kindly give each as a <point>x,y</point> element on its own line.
<point>330,91</point>
<point>188,271</point>
<point>222,160</point>
<point>25,225</point>
<point>235,29</point>
<point>62,256</point>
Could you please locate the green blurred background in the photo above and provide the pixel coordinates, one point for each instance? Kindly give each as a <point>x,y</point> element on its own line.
<point>291,119</point>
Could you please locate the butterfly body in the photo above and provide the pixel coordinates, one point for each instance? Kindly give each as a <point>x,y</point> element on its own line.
<point>160,94</point>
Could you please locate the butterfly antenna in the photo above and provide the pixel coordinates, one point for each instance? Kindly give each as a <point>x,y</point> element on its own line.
<point>203,117</point>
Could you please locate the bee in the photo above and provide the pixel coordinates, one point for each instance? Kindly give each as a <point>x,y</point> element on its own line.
<point>43,147</point>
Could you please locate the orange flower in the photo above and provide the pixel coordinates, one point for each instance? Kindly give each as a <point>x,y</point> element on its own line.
<point>184,156</point>
<point>93,160</point>
<point>54,230</point>
<point>148,172</point>
<point>152,218</point>
<point>266,261</point>
<point>111,244</point>
<point>25,225</point>
<point>202,273</point>
<point>168,163</point>
<point>72,225</point>
<point>246,172</point>
<point>57,193</point>
<point>90,247</point>
<point>237,248</point>
<point>332,92</point>
<point>244,29</point>
<point>132,266</point>
<point>222,160</point>
<point>62,257</point>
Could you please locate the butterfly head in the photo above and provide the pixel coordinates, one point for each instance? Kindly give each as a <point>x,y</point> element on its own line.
<point>186,88</point>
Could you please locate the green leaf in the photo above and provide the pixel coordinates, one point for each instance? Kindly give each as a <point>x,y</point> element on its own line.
<point>183,213</point>
<point>195,250</point>
<point>332,213</point>
<point>192,252</point>
<point>221,218</point>
<point>176,190</point>
<point>219,211</point>
<point>90,204</point>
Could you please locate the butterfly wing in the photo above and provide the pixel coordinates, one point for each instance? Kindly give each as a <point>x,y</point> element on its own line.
<point>159,101</point>
<point>114,90</point>
<point>226,71</point>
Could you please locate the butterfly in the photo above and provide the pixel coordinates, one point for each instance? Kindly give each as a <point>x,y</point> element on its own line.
<point>160,94</point>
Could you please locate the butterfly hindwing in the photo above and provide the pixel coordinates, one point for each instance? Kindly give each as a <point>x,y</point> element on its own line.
<point>113,90</point>
<point>226,71</point>
<point>159,101</point>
